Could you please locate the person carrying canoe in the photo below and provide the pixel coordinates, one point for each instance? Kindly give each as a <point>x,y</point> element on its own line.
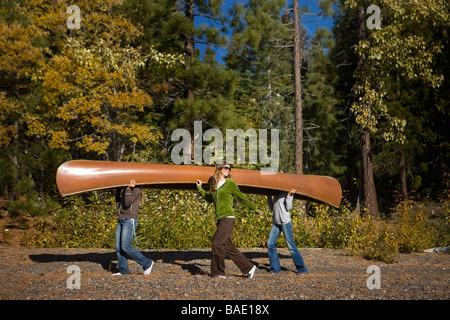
<point>128,201</point>
<point>223,190</point>
<point>281,222</point>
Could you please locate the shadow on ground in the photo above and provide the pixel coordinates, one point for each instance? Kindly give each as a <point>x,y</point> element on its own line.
<point>107,260</point>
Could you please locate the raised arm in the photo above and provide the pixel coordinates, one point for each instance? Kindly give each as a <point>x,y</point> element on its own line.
<point>209,197</point>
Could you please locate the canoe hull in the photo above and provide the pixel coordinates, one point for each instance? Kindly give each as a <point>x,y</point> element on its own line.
<point>79,176</point>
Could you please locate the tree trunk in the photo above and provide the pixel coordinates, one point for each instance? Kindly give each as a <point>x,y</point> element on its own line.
<point>298,94</point>
<point>189,47</point>
<point>402,154</point>
<point>367,176</point>
<point>403,176</point>
<point>370,193</point>
<point>298,101</point>
<point>189,50</point>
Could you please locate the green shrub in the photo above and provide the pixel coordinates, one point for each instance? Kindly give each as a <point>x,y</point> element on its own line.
<point>383,247</point>
<point>336,229</point>
<point>182,220</point>
<point>440,220</point>
<point>376,241</point>
<point>344,229</point>
<point>24,207</point>
<point>414,232</point>
<point>176,220</point>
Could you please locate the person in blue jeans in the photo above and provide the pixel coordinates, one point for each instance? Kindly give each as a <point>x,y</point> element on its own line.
<point>128,202</point>
<point>281,222</point>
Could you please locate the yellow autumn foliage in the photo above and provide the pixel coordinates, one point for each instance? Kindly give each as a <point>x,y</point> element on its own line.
<point>18,56</point>
<point>91,100</point>
<point>95,101</point>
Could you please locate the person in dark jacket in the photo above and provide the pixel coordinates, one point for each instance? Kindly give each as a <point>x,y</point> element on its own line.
<point>128,201</point>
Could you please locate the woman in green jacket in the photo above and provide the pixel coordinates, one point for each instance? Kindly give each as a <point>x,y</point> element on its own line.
<point>223,190</point>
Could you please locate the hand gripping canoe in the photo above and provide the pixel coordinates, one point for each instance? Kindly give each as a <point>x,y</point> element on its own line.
<point>78,176</point>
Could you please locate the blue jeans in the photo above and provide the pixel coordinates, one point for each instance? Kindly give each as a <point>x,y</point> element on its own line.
<point>124,235</point>
<point>272,244</point>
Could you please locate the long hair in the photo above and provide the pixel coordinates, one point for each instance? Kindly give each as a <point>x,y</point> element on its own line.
<point>143,196</point>
<point>215,177</point>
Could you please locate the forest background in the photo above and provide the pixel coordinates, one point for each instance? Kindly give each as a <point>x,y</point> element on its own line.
<point>374,111</point>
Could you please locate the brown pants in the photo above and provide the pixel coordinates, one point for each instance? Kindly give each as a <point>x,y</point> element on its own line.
<point>222,245</point>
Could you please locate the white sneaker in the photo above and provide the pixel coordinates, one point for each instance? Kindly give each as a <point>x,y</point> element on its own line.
<point>117,274</point>
<point>148,270</point>
<point>219,277</point>
<point>251,272</point>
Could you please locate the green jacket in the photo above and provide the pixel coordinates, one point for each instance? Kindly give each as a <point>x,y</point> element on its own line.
<point>223,199</point>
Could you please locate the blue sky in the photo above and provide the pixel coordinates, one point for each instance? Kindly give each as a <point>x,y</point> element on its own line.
<point>310,22</point>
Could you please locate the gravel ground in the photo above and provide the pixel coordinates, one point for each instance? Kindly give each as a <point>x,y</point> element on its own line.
<point>42,274</point>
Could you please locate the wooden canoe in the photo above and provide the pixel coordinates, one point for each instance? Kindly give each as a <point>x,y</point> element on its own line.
<point>78,176</point>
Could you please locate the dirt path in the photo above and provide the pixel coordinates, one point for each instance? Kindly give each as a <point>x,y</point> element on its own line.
<point>42,274</point>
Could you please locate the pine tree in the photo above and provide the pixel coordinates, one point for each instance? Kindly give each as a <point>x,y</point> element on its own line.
<point>200,89</point>
<point>323,129</point>
<point>380,55</point>
<point>262,50</point>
